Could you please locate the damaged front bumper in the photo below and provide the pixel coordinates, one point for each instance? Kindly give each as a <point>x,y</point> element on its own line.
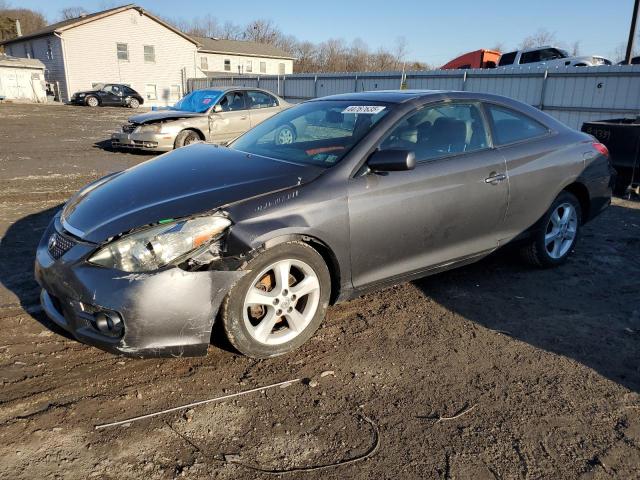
<point>165,313</point>
<point>157,142</point>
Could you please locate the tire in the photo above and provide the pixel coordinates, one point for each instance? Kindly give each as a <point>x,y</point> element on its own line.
<point>556,233</point>
<point>92,101</point>
<point>186,137</point>
<point>285,135</point>
<point>134,103</point>
<point>290,320</point>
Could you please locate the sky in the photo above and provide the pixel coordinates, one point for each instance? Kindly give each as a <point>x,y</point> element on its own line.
<point>435,31</point>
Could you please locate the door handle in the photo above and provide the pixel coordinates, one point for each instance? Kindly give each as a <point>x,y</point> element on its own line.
<point>495,178</point>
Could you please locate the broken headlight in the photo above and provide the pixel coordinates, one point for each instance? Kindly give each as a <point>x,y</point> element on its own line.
<point>158,246</point>
<point>151,128</point>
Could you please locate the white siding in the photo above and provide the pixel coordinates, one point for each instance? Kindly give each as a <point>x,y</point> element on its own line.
<point>91,57</point>
<point>216,64</point>
<point>20,83</point>
<point>54,66</point>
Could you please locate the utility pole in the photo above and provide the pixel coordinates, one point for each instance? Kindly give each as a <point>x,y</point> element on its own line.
<point>632,34</point>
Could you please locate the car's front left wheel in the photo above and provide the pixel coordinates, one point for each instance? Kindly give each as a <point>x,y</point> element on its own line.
<point>280,303</point>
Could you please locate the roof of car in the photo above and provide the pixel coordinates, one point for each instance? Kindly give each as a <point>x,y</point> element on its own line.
<point>389,96</point>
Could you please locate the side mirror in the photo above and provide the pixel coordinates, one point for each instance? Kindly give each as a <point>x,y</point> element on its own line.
<point>217,108</point>
<point>392,160</point>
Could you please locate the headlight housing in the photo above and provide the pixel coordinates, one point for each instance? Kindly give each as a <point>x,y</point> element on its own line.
<point>81,95</point>
<point>152,128</point>
<point>161,245</point>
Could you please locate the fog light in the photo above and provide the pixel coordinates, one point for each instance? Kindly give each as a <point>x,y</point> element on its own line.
<point>109,323</point>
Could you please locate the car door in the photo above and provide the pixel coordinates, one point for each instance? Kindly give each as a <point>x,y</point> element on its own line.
<point>261,106</point>
<point>111,95</point>
<point>450,207</point>
<point>232,119</point>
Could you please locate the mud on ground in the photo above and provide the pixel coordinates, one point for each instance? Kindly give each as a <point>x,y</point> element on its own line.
<point>540,369</point>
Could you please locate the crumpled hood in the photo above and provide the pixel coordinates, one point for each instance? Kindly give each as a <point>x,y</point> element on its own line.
<point>163,115</point>
<point>187,181</point>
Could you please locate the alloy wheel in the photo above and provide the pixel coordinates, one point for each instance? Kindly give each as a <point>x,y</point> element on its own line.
<point>92,102</point>
<point>561,230</point>
<point>285,137</point>
<point>281,302</point>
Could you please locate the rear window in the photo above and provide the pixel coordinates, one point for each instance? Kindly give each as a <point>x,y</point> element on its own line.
<point>510,126</point>
<point>507,58</point>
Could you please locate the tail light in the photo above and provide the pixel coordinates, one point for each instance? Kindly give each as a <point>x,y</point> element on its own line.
<point>602,148</point>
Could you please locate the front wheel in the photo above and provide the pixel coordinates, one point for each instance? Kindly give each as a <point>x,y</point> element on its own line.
<point>186,137</point>
<point>280,303</point>
<point>92,101</point>
<point>557,234</point>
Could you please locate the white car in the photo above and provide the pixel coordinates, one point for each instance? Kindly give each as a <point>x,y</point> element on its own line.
<point>550,57</point>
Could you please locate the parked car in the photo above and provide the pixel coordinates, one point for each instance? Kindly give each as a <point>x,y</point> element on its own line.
<point>108,95</point>
<point>551,57</point>
<point>634,61</point>
<point>476,59</point>
<point>376,188</point>
<point>214,115</point>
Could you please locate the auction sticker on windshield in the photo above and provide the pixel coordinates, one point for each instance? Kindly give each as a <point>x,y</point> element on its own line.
<point>370,109</point>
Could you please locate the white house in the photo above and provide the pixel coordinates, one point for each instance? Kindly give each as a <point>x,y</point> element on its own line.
<point>129,45</point>
<point>239,57</point>
<point>22,79</point>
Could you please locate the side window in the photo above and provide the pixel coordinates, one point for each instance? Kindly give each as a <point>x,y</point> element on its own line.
<point>510,126</point>
<point>123,52</point>
<point>507,59</point>
<point>530,57</point>
<point>129,91</point>
<point>233,101</point>
<point>438,131</point>
<point>261,100</point>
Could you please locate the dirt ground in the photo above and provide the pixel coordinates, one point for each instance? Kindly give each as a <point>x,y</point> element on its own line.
<point>493,371</point>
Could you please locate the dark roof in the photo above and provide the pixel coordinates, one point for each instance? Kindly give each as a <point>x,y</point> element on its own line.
<point>240,47</point>
<point>75,22</point>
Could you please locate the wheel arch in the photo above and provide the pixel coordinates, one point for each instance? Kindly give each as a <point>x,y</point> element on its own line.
<point>194,129</point>
<point>323,249</point>
<point>581,192</point>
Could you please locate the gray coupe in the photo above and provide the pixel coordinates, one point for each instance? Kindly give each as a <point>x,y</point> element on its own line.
<point>374,188</point>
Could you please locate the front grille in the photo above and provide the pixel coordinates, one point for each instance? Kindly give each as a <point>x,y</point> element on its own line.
<point>59,245</point>
<point>129,127</point>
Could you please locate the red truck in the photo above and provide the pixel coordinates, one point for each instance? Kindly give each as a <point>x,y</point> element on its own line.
<point>478,59</point>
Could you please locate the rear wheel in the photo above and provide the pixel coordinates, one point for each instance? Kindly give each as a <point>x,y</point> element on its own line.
<point>92,101</point>
<point>134,103</point>
<point>556,234</point>
<point>186,137</point>
<point>285,135</point>
<point>280,303</point>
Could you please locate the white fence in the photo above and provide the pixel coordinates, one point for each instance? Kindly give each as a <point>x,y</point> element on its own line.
<point>571,94</point>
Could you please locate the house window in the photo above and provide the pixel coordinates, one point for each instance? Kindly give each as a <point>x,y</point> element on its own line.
<point>204,63</point>
<point>227,65</point>
<point>49,50</point>
<point>281,69</point>
<point>249,67</point>
<point>150,91</point>
<point>263,67</point>
<point>149,54</point>
<point>123,52</point>
<point>175,92</point>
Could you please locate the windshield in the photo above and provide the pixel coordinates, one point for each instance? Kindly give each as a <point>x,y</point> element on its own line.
<point>317,133</point>
<point>198,101</point>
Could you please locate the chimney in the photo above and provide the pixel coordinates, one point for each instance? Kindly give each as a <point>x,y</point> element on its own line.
<point>18,29</point>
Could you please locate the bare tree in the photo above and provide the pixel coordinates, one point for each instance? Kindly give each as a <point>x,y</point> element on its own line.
<point>575,48</point>
<point>540,38</point>
<point>30,21</point>
<point>72,12</point>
